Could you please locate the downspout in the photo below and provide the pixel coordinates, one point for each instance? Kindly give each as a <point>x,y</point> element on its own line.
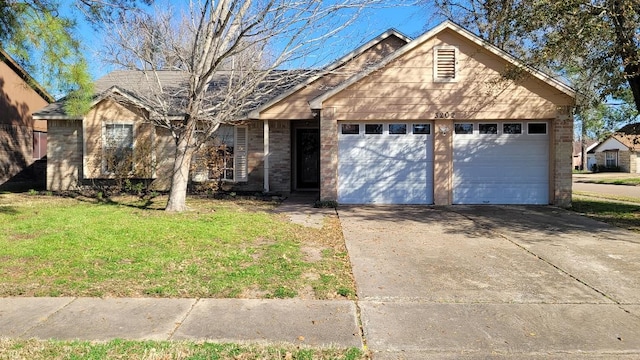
<point>265,160</point>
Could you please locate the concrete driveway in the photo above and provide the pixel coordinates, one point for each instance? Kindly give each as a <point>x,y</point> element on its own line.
<point>493,282</point>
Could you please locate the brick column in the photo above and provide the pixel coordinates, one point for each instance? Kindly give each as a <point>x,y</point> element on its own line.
<point>442,162</point>
<point>562,156</point>
<point>328,155</point>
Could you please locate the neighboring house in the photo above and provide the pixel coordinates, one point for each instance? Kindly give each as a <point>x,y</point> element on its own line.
<point>22,140</point>
<point>577,154</point>
<point>397,121</point>
<point>620,151</point>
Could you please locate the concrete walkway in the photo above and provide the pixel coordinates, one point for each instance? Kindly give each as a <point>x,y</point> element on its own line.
<point>314,323</point>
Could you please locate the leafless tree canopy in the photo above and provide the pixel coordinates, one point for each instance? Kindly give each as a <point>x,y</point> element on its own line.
<point>229,55</point>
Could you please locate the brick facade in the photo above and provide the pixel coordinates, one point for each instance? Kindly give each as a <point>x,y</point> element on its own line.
<point>624,161</point>
<point>561,144</point>
<point>64,151</point>
<point>328,155</point>
<point>280,156</point>
<point>16,150</point>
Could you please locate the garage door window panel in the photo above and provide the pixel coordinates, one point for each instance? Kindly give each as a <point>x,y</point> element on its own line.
<point>537,128</point>
<point>512,128</point>
<point>350,129</point>
<point>373,129</point>
<point>421,129</point>
<point>463,128</point>
<point>488,129</point>
<point>397,129</point>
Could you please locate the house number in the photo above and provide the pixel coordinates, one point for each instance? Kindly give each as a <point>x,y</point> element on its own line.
<point>445,115</point>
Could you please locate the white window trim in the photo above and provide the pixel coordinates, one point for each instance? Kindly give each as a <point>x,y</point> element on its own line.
<point>456,70</point>
<point>103,165</point>
<point>235,158</point>
<point>406,129</point>
<point>546,129</point>
<point>376,124</point>
<point>473,125</point>
<point>615,158</point>
<point>501,130</point>
<point>423,123</point>
<point>360,129</point>
<point>497,124</point>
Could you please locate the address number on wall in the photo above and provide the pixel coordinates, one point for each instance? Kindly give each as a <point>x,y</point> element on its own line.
<point>445,115</point>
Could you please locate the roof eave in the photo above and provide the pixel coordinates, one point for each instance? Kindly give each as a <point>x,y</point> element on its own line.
<point>26,77</point>
<point>316,103</point>
<point>361,49</point>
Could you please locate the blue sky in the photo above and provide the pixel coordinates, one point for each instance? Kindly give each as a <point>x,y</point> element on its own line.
<point>409,20</point>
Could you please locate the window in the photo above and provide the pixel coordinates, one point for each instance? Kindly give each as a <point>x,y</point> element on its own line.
<point>445,60</point>
<point>225,138</point>
<point>374,129</point>
<point>118,148</point>
<point>611,159</point>
<point>488,128</point>
<point>420,129</point>
<point>466,128</point>
<point>350,129</point>
<point>512,128</point>
<point>397,129</point>
<point>537,128</point>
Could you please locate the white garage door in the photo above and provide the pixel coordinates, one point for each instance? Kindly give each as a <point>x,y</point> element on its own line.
<point>385,163</point>
<point>501,163</point>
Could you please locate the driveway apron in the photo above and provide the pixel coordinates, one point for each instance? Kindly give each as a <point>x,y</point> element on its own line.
<point>493,282</point>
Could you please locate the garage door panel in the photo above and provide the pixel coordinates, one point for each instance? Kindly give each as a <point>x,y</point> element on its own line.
<point>500,169</point>
<point>496,193</point>
<point>385,169</point>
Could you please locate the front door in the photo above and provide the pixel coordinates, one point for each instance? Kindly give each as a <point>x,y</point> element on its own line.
<point>307,158</point>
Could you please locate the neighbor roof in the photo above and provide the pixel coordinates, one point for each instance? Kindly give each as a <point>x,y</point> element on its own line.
<point>7,59</point>
<point>566,89</point>
<point>629,136</point>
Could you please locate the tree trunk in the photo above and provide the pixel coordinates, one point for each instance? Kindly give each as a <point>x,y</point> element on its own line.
<point>634,83</point>
<point>180,176</point>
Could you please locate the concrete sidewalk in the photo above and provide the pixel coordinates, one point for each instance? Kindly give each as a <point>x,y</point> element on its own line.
<point>300,322</point>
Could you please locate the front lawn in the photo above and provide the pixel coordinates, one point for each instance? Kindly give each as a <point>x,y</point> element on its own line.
<point>121,349</point>
<point>614,181</point>
<point>626,216</point>
<point>54,246</point>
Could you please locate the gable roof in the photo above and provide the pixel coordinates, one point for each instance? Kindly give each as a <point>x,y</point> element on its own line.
<point>564,88</point>
<point>331,67</point>
<point>628,135</point>
<point>13,65</point>
<point>135,85</point>
<point>588,145</point>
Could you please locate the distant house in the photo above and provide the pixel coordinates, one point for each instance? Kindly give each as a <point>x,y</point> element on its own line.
<point>620,151</point>
<point>577,154</point>
<point>397,121</point>
<point>22,140</point>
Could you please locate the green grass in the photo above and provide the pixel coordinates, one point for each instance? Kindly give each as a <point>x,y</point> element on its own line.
<point>120,349</point>
<point>53,246</point>
<point>621,215</point>
<point>628,181</point>
<point>587,194</point>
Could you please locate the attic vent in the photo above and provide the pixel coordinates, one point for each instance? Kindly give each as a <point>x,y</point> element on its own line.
<point>445,61</point>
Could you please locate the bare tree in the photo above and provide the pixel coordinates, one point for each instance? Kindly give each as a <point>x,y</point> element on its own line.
<point>230,53</point>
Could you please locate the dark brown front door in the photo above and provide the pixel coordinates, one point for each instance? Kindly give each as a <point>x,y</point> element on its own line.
<point>308,158</point>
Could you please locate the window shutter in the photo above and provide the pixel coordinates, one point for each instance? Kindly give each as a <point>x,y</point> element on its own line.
<point>240,153</point>
<point>445,59</point>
